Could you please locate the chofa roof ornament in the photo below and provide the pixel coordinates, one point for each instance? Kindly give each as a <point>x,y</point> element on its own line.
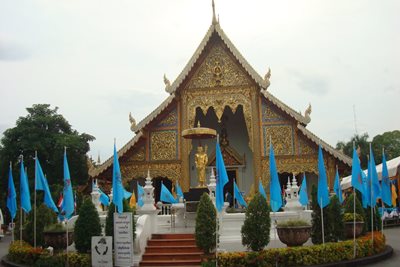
<point>167,85</point>
<point>307,114</point>
<point>133,122</point>
<point>266,79</point>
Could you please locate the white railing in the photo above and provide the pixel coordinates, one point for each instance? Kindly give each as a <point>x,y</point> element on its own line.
<point>143,233</point>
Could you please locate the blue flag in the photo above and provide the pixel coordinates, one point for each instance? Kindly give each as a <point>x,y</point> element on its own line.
<point>337,188</point>
<point>179,193</point>
<point>323,193</point>
<point>222,178</point>
<point>238,195</point>
<point>11,195</point>
<point>386,190</point>
<point>41,184</point>
<point>366,196</point>
<point>165,195</point>
<point>127,194</point>
<point>118,190</point>
<point>141,193</point>
<point>375,186</point>
<point>303,192</point>
<point>356,178</point>
<point>104,199</point>
<point>275,186</point>
<point>68,202</point>
<point>261,189</point>
<point>24,189</point>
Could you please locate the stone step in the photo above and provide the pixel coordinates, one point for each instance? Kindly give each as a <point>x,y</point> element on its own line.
<point>172,256</point>
<point>170,263</point>
<point>171,242</point>
<point>173,236</point>
<point>172,249</point>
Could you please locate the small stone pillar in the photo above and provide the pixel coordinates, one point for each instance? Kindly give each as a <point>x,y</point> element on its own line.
<point>96,196</point>
<point>212,186</point>
<point>149,203</point>
<point>292,196</point>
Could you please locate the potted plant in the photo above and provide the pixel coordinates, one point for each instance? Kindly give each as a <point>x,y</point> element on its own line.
<point>55,235</point>
<point>348,219</point>
<point>293,232</point>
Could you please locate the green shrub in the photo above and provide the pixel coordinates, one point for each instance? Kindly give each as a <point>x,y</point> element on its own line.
<point>316,218</point>
<point>256,228</point>
<point>349,217</point>
<point>305,255</point>
<point>23,253</point>
<point>377,220</point>
<point>293,223</point>
<point>335,219</point>
<point>205,228</point>
<point>109,228</point>
<point>348,208</point>
<point>86,226</point>
<point>44,217</point>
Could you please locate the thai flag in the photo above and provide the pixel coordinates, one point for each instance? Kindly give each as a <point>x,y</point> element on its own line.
<point>60,201</point>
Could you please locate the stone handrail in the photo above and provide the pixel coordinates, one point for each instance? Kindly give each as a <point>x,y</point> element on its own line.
<point>143,233</point>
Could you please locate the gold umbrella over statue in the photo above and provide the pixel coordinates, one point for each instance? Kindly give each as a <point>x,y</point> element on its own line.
<point>200,158</point>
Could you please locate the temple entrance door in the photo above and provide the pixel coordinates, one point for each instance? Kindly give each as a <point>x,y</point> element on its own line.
<point>232,175</point>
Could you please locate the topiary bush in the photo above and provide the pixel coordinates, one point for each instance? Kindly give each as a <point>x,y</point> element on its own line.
<point>316,219</point>
<point>348,208</point>
<point>256,228</point>
<point>205,228</point>
<point>44,217</point>
<point>86,226</point>
<point>335,219</point>
<point>377,220</point>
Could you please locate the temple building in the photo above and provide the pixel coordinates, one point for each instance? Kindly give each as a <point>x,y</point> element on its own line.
<point>220,90</point>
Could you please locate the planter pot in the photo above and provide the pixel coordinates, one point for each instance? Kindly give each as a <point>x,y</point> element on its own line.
<point>349,229</point>
<point>58,240</point>
<point>294,236</point>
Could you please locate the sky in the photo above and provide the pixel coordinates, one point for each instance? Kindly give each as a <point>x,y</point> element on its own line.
<point>98,60</point>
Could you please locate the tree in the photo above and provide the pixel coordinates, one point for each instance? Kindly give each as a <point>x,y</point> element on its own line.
<point>335,218</point>
<point>316,219</point>
<point>388,140</point>
<point>47,132</point>
<point>257,223</point>
<point>205,228</point>
<point>360,141</point>
<point>86,226</point>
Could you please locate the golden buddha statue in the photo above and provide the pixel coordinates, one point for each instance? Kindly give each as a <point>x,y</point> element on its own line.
<point>201,161</point>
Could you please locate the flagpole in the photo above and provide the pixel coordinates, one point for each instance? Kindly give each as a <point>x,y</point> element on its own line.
<point>371,198</point>
<point>34,206</point>
<point>354,215</point>
<point>216,210</point>
<point>322,218</point>
<point>383,205</point>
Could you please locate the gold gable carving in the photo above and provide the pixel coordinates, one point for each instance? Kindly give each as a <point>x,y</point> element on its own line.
<point>305,148</point>
<point>163,145</point>
<point>170,170</point>
<point>170,119</point>
<point>139,154</point>
<point>282,139</point>
<point>270,114</point>
<point>218,69</point>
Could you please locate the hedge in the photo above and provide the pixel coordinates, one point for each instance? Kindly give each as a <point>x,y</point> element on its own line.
<point>23,253</point>
<point>306,255</point>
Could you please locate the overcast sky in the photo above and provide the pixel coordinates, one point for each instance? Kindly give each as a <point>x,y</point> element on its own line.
<point>99,60</point>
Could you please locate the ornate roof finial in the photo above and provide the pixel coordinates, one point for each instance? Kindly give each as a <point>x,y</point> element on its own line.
<point>214,19</point>
<point>167,84</point>
<point>307,113</point>
<point>133,122</point>
<point>98,158</point>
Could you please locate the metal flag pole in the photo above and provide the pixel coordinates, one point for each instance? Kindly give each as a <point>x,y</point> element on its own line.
<point>20,207</point>
<point>383,205</point>
<point>371,198</point>
<point>12,219</point>
<point>322,219</point>
<point>217,213</point>
<point>34,206</point>
<point>66,218</point>
<point>354,215</point>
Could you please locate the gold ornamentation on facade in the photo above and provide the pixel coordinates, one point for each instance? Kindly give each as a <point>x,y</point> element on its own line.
<point>170,119</point>
<point>218,100</point>
<point>170,170</point>
<point>139,154</point>
<point>163,145</point>
<point>282,139</point>
<point>269,114</point>
<point>305,148</point>
<point>218,69</point>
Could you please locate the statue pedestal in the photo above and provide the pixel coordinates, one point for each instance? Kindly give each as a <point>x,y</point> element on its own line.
<point>195,194</point>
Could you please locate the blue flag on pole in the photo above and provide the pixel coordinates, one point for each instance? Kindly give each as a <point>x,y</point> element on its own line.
<point>11,195</point>
<point>238,195</point>
<point>386,190</point>
<point>275,186</point>
<point>41,184</point>
<point>356,178</point>
<point>376,187</point>
<point>323,193</point>
<point>261,189</point>
<point>179,193</point>
<point>303,192</point>
<point>68,202</point>
<point>141,193</point>
<point>366,195</point>
<point>24,189</point>
<point>165,195</point>
<point>337,188</point>
<point>118,190</point>
<point>127,194</point>
<point>222,178</point>
<point>104,199</point>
